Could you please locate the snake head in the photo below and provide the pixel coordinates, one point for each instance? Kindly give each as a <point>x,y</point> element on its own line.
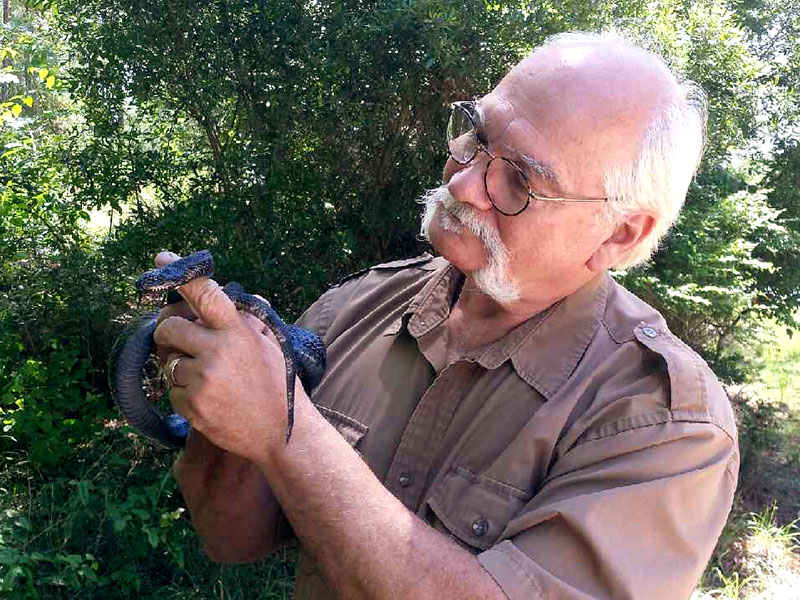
<point>183,270</point>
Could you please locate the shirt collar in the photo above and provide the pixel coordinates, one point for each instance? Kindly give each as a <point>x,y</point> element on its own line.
<point>544,350</point>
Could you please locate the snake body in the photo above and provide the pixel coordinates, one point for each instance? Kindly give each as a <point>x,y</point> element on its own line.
<point>303,352</point>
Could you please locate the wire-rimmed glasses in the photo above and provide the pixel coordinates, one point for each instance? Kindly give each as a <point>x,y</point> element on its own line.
<point>506,185</point>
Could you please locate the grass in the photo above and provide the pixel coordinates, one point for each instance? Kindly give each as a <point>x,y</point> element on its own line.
<point>758,555</point>
<point>761,560</point>
<point>110,525</point>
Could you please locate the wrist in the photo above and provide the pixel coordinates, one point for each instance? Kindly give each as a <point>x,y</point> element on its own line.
<point>279,456</point>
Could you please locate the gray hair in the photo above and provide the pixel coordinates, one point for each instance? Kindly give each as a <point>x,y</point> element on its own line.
<point>658,177</point>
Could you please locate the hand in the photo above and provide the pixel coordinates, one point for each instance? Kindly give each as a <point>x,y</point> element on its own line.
<point>231,386</point>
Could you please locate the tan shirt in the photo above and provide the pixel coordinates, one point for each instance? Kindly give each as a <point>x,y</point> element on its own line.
<point>586,454</point>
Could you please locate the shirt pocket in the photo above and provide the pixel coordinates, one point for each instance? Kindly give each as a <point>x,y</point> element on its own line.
<point>351,430</point>
<point>475,508</point>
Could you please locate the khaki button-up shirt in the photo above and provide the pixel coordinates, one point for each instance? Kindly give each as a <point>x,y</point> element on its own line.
<point>588,453</point>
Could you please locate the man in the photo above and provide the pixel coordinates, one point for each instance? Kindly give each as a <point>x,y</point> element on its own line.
<point>504,421</point>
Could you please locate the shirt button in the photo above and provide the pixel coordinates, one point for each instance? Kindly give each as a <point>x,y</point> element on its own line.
<point>649,332</point>
<point>480,527</point>
<point>405,479</point>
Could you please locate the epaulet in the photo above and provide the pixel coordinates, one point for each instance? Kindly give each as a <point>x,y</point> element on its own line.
<point>422,259</point>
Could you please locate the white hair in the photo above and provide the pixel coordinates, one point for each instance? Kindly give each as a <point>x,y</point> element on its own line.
<point>669,153</point>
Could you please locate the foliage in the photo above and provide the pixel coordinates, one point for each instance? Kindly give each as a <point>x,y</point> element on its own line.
<point>276,132</point>
<point>758,554</point>
<point>762,561</point>
<point>113,528</point>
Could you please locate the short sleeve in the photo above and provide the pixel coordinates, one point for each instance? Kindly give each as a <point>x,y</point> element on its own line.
<point>634,514</point>
<point>321,314</point>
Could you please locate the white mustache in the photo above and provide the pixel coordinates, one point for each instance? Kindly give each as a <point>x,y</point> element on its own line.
<point>492,279</point>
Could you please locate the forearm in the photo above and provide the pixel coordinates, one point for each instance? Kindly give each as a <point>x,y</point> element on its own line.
<point>233,509</point>
<point>366,543</point>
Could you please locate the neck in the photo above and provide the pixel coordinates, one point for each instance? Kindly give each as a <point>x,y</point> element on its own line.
<point>487,320</point>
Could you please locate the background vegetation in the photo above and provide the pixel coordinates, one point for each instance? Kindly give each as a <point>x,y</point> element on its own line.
<point>274,132</point>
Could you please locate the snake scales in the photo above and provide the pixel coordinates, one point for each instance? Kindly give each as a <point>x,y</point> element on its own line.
<point>303,352</point>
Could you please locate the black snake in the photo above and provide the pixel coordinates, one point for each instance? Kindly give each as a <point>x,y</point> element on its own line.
<point>303,352</point>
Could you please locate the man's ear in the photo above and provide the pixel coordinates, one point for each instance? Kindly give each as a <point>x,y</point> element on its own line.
<point>627,235</point>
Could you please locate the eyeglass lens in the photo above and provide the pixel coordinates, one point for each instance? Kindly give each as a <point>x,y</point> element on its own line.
<point>462,139</point>
<point>505,184</point>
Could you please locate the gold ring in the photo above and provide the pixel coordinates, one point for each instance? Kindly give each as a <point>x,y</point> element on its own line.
<point>169,371</point>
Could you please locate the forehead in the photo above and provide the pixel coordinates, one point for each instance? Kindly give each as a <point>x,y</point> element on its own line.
<point>576,108</point>
<point>514,136</point>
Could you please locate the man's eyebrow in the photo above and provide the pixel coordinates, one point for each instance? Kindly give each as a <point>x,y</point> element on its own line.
<point>539,168</point>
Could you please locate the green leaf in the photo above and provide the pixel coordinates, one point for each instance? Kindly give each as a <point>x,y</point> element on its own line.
<point>13,151</point>
<point>152,537</point>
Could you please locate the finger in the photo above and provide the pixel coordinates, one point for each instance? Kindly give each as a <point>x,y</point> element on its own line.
<point>178,334</point>
<point>253,322</point>
<point>210,303</point>
<point>268,333</point>
<point>165,257</point>
<point>178,309</point>
<point>163,355</point>
<point>179,398</point>
<point>262,299</point>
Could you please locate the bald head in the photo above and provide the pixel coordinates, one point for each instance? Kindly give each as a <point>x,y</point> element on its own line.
<point>592,100</point>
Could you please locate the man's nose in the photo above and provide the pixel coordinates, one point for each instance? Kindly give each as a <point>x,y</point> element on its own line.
<point>465,182</point>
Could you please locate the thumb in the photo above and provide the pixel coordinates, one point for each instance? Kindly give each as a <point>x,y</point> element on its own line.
<point>165,258</point>
<point>210,303</point>
<point>205,297</point>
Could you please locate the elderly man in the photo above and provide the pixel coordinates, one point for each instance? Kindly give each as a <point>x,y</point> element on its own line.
<point>504,421</point>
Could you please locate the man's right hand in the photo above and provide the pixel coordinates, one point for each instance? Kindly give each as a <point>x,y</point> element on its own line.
<point>182,309</point>
<point>233,509</point>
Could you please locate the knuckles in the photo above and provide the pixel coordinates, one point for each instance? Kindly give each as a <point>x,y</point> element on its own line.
<point>167,330</point>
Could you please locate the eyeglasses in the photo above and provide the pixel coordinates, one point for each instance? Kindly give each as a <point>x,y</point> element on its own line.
<point>506,185</point>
